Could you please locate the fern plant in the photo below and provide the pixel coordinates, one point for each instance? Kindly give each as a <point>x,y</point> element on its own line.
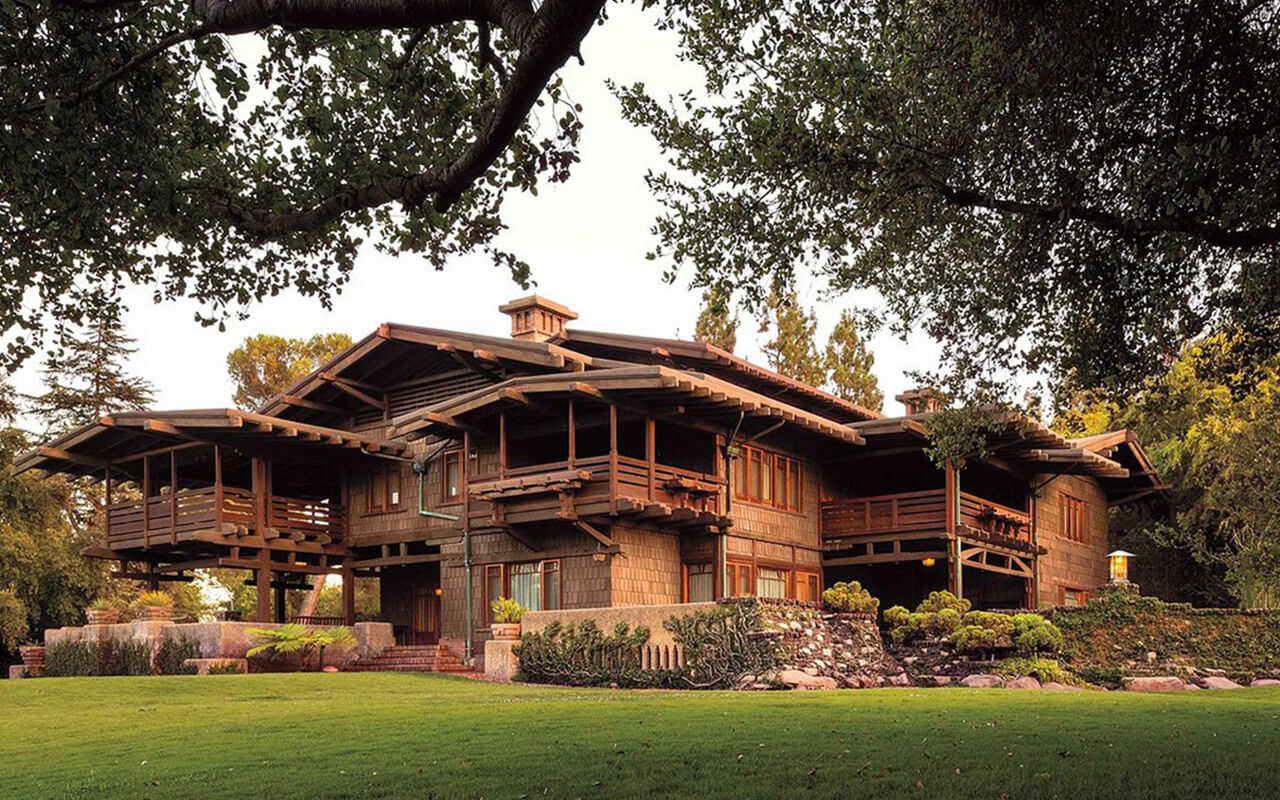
<point>506,610</point>
<point>295,638</point>
<point>154,599</point>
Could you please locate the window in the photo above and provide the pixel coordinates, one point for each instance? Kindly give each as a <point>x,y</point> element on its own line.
<point>807,587</point>
<point>771,582</point>
<point>1073,597</point>
<point>383,491</point>
<point>1075,518</point>
<point>740,582</point>
<point>452,475</point>
<point>493,583</point>
<point>700,582</point>
<point>533,584</point>
<point>767,478</point>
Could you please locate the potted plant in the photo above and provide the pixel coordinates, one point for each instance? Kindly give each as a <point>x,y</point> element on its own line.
<point>32,654</point>
<point>102,612</point>
<point>154,606</point>
<point>507,614</point>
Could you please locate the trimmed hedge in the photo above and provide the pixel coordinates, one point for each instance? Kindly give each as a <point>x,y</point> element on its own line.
<point>77,659</point>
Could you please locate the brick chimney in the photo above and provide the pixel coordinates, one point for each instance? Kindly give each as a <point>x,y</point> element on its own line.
<point>920,401</point>
<point>536,319</point>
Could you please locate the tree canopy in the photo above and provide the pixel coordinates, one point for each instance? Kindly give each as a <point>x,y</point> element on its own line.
<point>1073,188</point>
<point>849,363</point>
<point>717,321</point>
<point>148,143</point>
<point>792,350</point>
<point>265,365</point>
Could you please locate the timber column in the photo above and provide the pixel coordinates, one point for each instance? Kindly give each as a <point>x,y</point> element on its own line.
<point>348,596</point>
<point>956,578</point>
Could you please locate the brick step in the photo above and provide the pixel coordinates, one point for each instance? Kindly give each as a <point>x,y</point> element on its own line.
<point>412,658</point>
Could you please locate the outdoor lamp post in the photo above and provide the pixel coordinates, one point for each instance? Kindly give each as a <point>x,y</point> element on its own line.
<point>1118,560</point>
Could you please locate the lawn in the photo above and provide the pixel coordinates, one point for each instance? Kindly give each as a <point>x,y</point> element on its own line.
<point>385,735</point>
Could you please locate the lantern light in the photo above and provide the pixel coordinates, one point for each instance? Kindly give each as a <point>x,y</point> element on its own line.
<point>929,561</point>
<point>1118,560</point>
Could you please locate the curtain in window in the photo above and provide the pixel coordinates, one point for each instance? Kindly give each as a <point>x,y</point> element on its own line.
<point>771,582</point>
<point>702,585</point>
<point>526,588</point>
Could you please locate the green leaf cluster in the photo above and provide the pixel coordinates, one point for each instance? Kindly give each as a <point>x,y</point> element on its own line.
<point>850,597</point>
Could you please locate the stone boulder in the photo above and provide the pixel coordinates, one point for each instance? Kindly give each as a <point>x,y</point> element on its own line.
<point>1025,682</point>
<point>799,679</point>
<point>1166,683</point>
<point>1219,682</point>
<point>1264,682</point>
<point>981,681</point>
<point>1054,686</point>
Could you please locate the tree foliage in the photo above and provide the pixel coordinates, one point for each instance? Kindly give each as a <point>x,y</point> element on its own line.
<point>1075,188</point>
<point>155,144</point>
<point>793,350</point>
<point>88,378</point>
<point>265,365</point>
<point>717,322</point>
<point>849,362</point>
<point>1211,425</point>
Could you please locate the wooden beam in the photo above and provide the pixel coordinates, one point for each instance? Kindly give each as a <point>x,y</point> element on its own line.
<point>332,377</point>
<point>302,402</point>
<point>347,388</point>
<point>594,533</point>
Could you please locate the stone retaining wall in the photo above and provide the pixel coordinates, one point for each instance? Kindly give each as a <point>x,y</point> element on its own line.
<point>220,639</point>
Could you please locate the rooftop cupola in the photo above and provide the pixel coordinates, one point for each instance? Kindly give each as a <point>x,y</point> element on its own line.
<point>920,401</point>
<point>536,319</point>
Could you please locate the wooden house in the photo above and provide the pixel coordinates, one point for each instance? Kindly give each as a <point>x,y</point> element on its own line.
<point>571,469</point>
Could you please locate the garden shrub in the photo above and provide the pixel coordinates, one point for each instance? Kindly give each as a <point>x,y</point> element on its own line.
<point>974,638</point>
<point>173,653</point>
<point>106,657</point>
<point>721,645</point>
<point>938,615</point>
<point>1045,670</point>
<point>851,598</point>
<point>1001,624</point>
<point>229,668</point>
<point>1033,633</point>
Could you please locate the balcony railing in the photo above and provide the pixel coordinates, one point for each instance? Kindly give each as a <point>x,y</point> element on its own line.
<point>168,519</point>
<point>923,511</point>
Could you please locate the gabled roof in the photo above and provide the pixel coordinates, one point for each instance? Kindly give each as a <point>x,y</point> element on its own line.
<point>1116,458</point>
<point>698,396</point>
<point>395,354</point>
<point>712,360</point>
<point>114,440</point>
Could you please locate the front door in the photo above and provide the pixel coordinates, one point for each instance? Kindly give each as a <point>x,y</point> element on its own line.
<point>425,627</point>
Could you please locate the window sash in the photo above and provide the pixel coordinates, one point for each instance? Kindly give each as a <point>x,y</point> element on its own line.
<point>451,478</point>
<point>771,582</point>
<point>767,478</point>
<point>700,582</point>
<point>493,589</point>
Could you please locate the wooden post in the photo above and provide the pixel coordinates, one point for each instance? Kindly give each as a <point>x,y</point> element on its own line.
<point>650,452</point>
<point>613,459</point>
<point>573,436</point>
<point>146,501</point>
<point>280,604</point>
<point>217,489</point>
<point>173,496</point>
<point>348,595</point>
<point>153,577</point>
<point>106,511</point>
<point>502,444</point>
<point>953,539</point>
<point>264,589</point>
<point>259,499</point>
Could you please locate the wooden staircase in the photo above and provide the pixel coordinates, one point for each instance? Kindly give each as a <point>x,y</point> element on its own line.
<point>411,658</point>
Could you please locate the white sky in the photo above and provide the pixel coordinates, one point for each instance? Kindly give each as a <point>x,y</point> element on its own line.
<point>585,240</point>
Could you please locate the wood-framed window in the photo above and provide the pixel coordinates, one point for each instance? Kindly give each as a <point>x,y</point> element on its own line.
<point>1071,596</point>
<point>1075,518</point>
<point>383,491</point>
<point>536,585</point>
<point>451,476</point>
<point>700,582</point>
<point>739,580</point>
<point>768,478</point>
<point>808,587</point>
<point>772,582</point>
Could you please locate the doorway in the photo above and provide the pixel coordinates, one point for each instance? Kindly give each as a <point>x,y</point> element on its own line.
<point>424,627</point>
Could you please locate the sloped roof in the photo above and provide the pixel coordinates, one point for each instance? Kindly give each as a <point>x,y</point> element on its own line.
<point>699,396</point>
<point>712,360</point>
<point>119,438</point>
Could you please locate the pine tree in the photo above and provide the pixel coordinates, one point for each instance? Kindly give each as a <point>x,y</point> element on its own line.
<point>88,379</point>
<point>717,324</point>
<point>792,351</point>
<point>265,365</point>
<point>849,364</point>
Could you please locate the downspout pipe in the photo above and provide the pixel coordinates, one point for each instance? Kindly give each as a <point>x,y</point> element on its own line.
<point>729,451</point>
<point>420,467</point>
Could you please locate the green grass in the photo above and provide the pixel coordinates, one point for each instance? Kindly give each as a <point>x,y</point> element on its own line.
<point>382,735</point>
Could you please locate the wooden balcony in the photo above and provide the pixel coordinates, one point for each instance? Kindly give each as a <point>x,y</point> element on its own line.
<point>923,512</point>
<point>173,518</point>
<point>598,486</point>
